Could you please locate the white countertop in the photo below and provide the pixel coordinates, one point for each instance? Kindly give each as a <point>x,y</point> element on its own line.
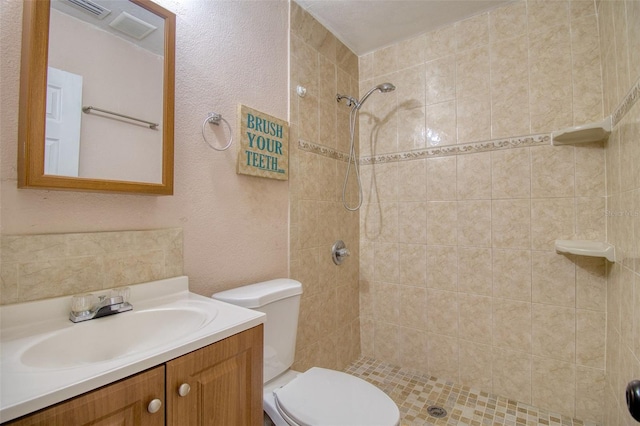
<point>27,388</point>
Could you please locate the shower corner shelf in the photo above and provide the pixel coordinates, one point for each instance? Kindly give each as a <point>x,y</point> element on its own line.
<point>587,248</point>
<point>592,132</point>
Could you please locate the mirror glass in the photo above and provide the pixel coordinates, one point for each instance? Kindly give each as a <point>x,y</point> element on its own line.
<point>107,104</point>
<point>104,56</point>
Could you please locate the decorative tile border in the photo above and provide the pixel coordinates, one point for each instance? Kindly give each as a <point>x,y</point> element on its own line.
<point>322,150</point>
<point>470,148</point>
<point>441,151</point>
<point>627,103</point>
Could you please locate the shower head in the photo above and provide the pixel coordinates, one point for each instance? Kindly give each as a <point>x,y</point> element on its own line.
<point>386,87</point>
<point>383,88</point>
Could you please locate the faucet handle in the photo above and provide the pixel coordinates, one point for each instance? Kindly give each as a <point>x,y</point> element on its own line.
<point>82,302</point>
<point>122,292</point>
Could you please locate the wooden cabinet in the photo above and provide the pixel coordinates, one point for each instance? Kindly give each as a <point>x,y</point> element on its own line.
<point>224,382</point>
<point>123,403</point>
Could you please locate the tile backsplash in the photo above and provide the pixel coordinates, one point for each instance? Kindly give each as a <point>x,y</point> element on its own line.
<point>37,267</point>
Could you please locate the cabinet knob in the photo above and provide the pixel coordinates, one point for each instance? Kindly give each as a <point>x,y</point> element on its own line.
<point>154,406</point>
<point>184,389</point>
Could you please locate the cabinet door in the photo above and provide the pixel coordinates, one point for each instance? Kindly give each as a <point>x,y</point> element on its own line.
<point>225,381</point>
<point>124,403</point>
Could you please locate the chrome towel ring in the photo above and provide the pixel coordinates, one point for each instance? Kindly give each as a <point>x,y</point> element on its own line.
<point>215,118</point>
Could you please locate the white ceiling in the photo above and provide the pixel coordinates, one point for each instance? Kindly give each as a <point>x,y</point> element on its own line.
<point>368,25</point>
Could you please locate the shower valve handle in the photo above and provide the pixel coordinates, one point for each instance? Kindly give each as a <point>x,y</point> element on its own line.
<point>339,251</point>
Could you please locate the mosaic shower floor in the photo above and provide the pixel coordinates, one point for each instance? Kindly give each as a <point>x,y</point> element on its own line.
<point>414,393</point>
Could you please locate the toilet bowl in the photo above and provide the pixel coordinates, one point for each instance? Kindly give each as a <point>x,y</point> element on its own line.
<point>318,396</point>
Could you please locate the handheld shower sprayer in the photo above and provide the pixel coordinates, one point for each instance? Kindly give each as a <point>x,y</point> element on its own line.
<point>355,106</point>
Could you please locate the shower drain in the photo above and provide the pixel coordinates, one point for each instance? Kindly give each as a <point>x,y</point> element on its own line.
<point>435,411</point>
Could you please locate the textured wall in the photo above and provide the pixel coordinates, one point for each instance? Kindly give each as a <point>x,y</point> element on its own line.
<point>328,331</point>
<point>459,275</point>
<point>619,23</point>
<point>235,227</point>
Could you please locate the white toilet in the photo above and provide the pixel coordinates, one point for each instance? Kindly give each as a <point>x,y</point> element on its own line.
<point>317,397</point>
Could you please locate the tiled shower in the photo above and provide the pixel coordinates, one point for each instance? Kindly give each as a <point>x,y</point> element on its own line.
<point>453,264</point>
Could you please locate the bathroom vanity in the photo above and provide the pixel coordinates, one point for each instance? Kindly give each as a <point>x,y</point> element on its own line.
<point>177,359</point>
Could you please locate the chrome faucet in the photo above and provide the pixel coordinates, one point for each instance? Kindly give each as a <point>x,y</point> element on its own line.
<point>81,309</point>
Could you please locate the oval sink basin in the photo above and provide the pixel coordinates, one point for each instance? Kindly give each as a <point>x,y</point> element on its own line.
<point>106,338</point>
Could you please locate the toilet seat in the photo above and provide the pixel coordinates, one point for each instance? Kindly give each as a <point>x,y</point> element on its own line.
<point>322,397</point>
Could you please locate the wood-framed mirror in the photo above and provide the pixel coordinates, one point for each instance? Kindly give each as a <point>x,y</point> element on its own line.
<point>124,143</point>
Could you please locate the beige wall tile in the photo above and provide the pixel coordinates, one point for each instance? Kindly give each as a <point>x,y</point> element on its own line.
<point>442,312</point>
<point>558,394</point>
<point>475,365</point>
<point>472,73</point>
<point>441,124</point>
<point>511,173</point>
<point>512,374</point>
<point>440,42</point>
<point>543,14</point>
<point>550,75</point>
<point>413,349</point>
<point>474,223</point>
<point>590,405</point>
<point>443,354</point>
<point>587,77</point>
<point>386,342</point>
<point>511,224</point>
<point>413,181</point>
<point>32,248</point>
<point>413,264</point>
<point>60,277</point>
<point>411,128</point>
<point>441,178</point>
<point>590,338</point>
<point>512,325</point>
<point>441,220</point>
<point>591,283</point>
<point>552,171</point>
<point>553,279</point>
<point>474,176</point>
<point>385,61</point>
<point>472,32</point>
<point>508,21</point>
<point>9,283</point>
<point>590,170</point>
<point>413,307</point>
<point>442,267</point>
<point>590,219</point>
<point>386,262</point>
<point>512,274</point>
<point>411,52</point>
<point>473,119</point>
<point>412,222</point>
<point>440,81</point>
<point>474,270</point>
<point>387,302</point>
<point>475,322</point>
<point>551,219</point>
<point>553,332</point>
<point>510,87</point>
<point>410,87</point>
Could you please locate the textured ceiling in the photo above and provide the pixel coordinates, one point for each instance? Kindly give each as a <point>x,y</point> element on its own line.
<point>367,25</point>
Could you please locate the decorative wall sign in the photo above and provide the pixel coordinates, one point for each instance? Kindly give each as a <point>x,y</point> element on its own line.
<point>264,145</point>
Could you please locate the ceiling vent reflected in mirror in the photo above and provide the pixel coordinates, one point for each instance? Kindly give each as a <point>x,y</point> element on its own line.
<point>132,26</point>
<point>89,7</point>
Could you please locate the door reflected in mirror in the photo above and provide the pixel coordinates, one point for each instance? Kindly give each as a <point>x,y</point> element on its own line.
<point>107,108</point>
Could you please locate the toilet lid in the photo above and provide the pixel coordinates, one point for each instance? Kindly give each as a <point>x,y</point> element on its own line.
<point>321,397</point>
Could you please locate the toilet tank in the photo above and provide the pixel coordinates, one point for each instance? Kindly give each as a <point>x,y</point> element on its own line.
<point>280,300</point>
